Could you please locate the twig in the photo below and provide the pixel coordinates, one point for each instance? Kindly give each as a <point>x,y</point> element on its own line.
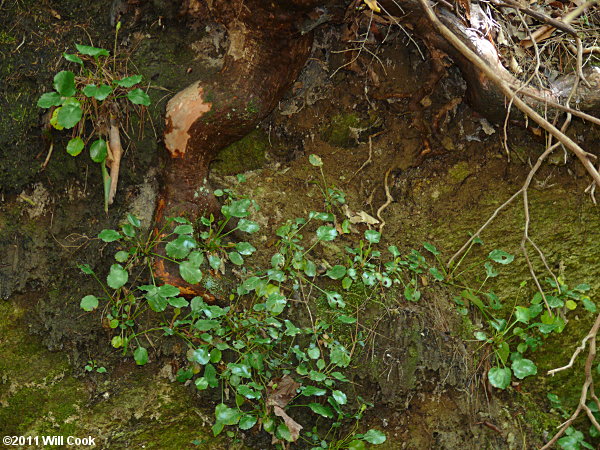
<point>388,196</point>
<point>539,16</point>
<point>369,159</point>
<point>587,387</point>
<point>484,226</point>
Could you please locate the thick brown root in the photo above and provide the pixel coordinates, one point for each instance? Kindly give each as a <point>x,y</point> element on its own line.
<point>266,54</point>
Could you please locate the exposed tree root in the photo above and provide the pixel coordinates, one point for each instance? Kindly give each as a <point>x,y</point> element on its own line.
<point>265,55</point>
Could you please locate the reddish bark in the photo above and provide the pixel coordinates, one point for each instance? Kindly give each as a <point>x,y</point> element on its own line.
<point>266,54</point>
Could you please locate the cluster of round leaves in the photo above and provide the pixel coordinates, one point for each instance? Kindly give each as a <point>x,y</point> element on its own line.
<point>69,96</point>
<point>260,346</point>
<point>526,326</point>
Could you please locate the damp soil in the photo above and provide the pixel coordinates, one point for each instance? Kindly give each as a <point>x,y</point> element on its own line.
<point>444,167</point>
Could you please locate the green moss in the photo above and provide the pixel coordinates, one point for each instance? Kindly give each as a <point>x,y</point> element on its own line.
<point>459,172</point>
<point>338,133</point>
<point>246,154</point>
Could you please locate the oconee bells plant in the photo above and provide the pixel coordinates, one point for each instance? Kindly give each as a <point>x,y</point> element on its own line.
<point>94,96</point>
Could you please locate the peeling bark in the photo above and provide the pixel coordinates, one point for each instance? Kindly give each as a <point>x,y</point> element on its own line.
<point>265,55</point>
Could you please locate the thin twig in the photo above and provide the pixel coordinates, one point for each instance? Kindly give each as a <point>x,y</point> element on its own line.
<point>388,201</point>
<point>587,385</point>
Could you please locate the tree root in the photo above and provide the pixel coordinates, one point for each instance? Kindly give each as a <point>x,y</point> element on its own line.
<point>265,55</point>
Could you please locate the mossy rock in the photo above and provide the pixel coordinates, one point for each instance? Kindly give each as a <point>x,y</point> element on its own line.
<point>249,153</point>
<point>339,131</point>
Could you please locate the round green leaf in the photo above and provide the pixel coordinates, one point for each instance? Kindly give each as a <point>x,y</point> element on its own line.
<point>138,97</point>
<point>109,235</point>
<point>245,248</point>
<point>439,276</point>
<point>184,229</point>
<point>283,432</point>
<point>180,247</point>
<point>141,356</point>
<point>64,83</point>
<point>117,341</point>
<point>117,277</point>
<point>168,290</point>
<point>374,437</point>
<point>501,257</point>
<point>357,444</point>
<point>247,421</point>
<point>200,355</point>
<point>336,272</point>
<point>75,146</point>
<point>133,220</point>
<point>315,160</point>
<point>313,352</point>
<point>69,115</point>
<point>276,303</point>
<point>214,262</point>
<point>190,273</point>
<point>339,356</point>
<point>309,391</point>
<point>196,258</point>
<point>372,236</point>
<point>226,415</point>
<point>98,150</point>
<point>248,226</point>
<point>237,208</point>
<point>322,410</point>
<point>345,319</point>
<point>122,256</point>
<point>310,268</point>
<point>236,258</point>
<point>339,397</point>
<point>128,82</point>
<point>523,368</point>
<point>326,233</point>
<point>277,260</point>
<point>98,92</point>
<point>89,303</point>
<point>201,383</point>
<point>178,302</point>
<point>49,99</point>
<point>500,377</point>
<point>431,248</point>
<point>91,51</point>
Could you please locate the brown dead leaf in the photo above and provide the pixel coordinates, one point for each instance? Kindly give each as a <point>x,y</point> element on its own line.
<point>292,425</point>
<point>280,391</point>
<point>359,217</point>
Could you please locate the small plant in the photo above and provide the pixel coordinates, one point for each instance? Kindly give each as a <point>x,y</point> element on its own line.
<point>265,358</point>
<point>92,366</point>
<point>91,104</point>
<point>332,195</point>
<point>513,330</point>
<point>574,439</point>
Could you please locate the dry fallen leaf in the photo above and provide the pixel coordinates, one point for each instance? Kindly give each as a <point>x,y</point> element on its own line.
<point>280,392</point>
<point>359,217</point>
